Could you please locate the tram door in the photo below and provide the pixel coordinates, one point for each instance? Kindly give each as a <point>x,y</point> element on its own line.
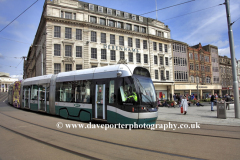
<point>100,101</point>
<point>42,98</point>
<point>26,97</point>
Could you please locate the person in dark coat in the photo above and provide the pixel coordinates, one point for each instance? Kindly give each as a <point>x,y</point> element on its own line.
<point>212,102</point>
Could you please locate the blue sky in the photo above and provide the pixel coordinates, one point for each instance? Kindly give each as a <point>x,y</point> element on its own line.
<point>207,27</point>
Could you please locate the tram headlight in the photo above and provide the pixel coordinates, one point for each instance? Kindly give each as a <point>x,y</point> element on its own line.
<point>119,73</point>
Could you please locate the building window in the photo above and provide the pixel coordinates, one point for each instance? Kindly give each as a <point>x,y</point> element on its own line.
<point>140,18</point>
<point>160,47</point>
<point>78,34</point>
<point>103,54</point>
<point>166,48</point>
<point>155,60</point>
<point>162,75</point>
<point>102,21</point>
<point>128,26</point>
<point>145,58</point>
<point>196,56</point>
<point>181,76</point>
<point>166,61</point>
<point>175,61</point>
<point>57,31</point>
<point>122,55</point>
<point>161,60</point>
<point>143,29</point>
<point>129,42</point>
<point>144,44</point>
<point>167,75</point>
<point>78,66</point>
<point>57,68</point>
<point>100,9</point>
<point>68,67</point>
<point>121,40</point>
<point>207,68</point>
<point>78,51</point>
<point>68,15</point>
<point>208,80</point>
<point>94,53</point>
<point>156,74</point>
<point>68,50</point>
<point>155,46</point>
<point>74,16</point>
<point>206,58</point>
<point>215,79</point>
<point>93,36</point>
<point>134,17</point>
<point>138,56</point>
<point>130,56</point>
<point>62,14</point>
<point>137,43</point>
<point>190,55</point>
<point>191,66</point>
<point>192,79</point>
<point>136,28</point>
<point>197,67</point>
<point>103,37</point>
<point>126,15</point>
<point>68,33</point>
<point>113,55</point>
<point>197,79</point>
<point>159,33</point>
<point>109,11</point>
<point>202,68</point>
<point>119,25</point>
<point>112,39</point>
<point>118,13</point>
<point>93,19</point>
<point>57,50</point>
<point>111,23</point>
<point>91,7</point>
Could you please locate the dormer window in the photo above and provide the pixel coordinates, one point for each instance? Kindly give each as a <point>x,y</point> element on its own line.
<point>133,17</point>
<point>118,13</point>
<point>91,7</point>
<point>126,15</point>
<point>100,9</point>
<point>109,11</point>
<point>140,19</point>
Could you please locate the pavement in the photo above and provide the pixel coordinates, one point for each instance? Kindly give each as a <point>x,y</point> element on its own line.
<point>202,115</point>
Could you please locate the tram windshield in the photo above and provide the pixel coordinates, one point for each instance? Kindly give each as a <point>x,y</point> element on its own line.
<point>146,88</point>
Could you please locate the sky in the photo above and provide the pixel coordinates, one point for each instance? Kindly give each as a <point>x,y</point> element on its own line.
<point>208,26</point>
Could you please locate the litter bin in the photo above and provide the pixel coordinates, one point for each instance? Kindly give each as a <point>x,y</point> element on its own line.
<point>221,110</point>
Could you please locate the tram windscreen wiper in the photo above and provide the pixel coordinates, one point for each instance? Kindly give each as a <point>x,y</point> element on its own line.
<point>142,89</point>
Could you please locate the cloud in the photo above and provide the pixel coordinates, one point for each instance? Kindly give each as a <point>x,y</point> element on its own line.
<point>1,56</point>
<point>224,52</point>
<point>221,44</point>
<point>20,77</point>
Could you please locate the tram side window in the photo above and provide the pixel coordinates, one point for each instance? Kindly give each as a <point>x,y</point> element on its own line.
<point>42,89</point>
<point>34,92</point>
<point>65,92</point>
<point>82,93</point>
<point>112,95</point>
<point>26,91</point>
<point>127,91</point>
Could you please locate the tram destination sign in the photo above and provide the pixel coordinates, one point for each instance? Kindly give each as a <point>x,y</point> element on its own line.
<point>120,48</point>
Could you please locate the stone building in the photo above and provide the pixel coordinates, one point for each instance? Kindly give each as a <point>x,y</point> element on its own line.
<point>5,81</point>
<point>75,35</point>
<point>226,75</point>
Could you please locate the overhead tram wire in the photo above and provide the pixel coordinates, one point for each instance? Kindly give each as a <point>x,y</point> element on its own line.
<point>18,16</point>
<point>235,21</point>
<point>168,7</point>
<point>193,12</point>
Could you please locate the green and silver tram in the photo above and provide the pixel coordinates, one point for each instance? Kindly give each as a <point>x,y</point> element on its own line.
<point>116,94</point>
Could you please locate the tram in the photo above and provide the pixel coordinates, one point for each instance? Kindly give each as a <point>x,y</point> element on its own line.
<point>116,94</point>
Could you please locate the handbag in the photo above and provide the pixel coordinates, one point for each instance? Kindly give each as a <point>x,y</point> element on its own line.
<point>181,109</point>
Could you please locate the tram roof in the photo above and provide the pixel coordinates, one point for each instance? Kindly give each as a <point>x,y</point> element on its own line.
<point>96,73</point>
<point>38,80</point>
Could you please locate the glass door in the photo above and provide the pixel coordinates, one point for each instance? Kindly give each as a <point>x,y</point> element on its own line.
<point>26,97</point>
<point>100,101</point>
<point>42,98</point>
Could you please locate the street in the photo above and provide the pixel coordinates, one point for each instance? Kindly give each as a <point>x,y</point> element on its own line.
<point>31,135</point>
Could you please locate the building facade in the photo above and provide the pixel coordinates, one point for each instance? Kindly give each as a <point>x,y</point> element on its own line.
<point>5,81</point>
<point>76,35</point>
<point>199,80</point>
<point>226,75</point>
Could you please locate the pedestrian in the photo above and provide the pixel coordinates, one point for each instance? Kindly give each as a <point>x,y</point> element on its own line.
<point>174,97</point>
<point>179,100</point>
<point>212,102</point>
<point>228,99</point>
<point>184,104</point>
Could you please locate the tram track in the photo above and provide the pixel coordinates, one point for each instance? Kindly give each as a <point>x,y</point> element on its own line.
<point>89,138</point>
<point>117,144</point>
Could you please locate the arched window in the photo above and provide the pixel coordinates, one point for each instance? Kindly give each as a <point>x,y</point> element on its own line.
<point>192,79</point>
<point>208,80</point>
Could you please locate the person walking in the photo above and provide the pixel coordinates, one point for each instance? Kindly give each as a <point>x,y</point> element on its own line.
<point>184,104</point>
<point>212,102</point>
